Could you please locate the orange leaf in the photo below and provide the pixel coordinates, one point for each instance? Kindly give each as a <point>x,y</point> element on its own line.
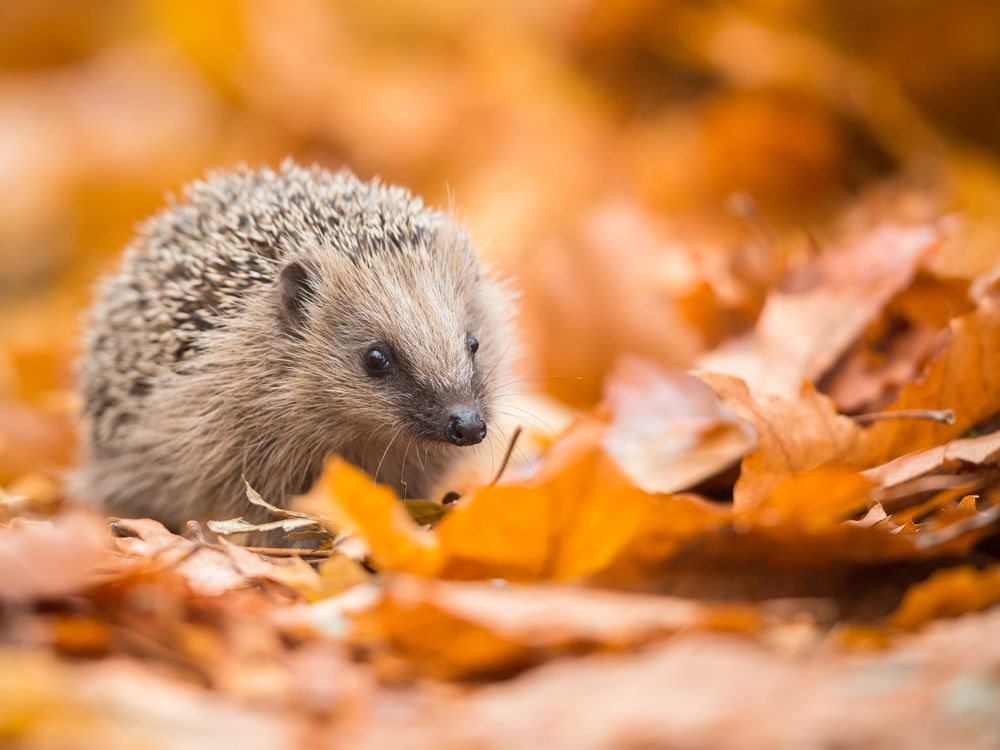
<point>471,629</point>
<point>373,511</point>
<point>965,377</point>
<point>948,593</point>
<point>793,436</point>
<point>801,333</point>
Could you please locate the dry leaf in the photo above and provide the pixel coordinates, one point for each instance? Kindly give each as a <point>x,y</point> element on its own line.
<point>793,436</point>
<point>948,593</point>
<point>208,571</point>
<point>668,431</point>
<point>466,630</point>
<point>51,558</point>
<point>805,327</point>
<point>965,378</point>
<point>982,451</point>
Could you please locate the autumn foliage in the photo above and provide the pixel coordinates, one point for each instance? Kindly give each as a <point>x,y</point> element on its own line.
<point>746,490</point>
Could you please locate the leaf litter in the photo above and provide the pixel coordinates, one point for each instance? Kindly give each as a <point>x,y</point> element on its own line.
<point>684,521</point>
<point>758,504</point>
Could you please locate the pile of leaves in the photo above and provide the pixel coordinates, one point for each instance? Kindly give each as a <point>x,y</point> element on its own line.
<point>754,500</point>
<point>699,548</point>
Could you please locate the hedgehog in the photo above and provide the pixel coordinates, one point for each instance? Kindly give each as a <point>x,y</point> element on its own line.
<point>271,319</point>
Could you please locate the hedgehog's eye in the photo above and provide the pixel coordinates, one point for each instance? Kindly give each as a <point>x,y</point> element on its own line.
<point>473,343</point>
<point>378,359</point>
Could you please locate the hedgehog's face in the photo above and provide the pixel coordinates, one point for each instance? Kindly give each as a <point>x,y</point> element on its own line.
<point>414,343</point>
<point>455,413</point>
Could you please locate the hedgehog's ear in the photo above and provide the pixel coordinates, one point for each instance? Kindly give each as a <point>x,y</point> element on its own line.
<point>295,288</point>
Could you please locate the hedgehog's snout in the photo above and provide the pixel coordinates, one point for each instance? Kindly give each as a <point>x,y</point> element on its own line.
<point>465,426</point>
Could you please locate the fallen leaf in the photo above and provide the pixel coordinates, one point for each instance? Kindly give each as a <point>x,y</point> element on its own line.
<point>208,571</point>
<point>965,378</point>
<point>121,703</point>
<point>242,526</point>
<point>291,572</point>
<point>566,522</point>
<point>355,502</point>
<point>897,345</point>
<point>978,452</point>
<point>474,630</point>
<point>608,701</point>
<point>52,558</point>
<point>668,430</point>
<point>794,435</point>
<point>947,594</point>
<point>805,327</point>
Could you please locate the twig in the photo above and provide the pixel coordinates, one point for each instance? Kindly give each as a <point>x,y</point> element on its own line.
<point>944,416</point>
<point>506,456</point>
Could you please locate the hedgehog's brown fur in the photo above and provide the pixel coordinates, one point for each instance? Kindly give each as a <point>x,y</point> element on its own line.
<point>196,372</point>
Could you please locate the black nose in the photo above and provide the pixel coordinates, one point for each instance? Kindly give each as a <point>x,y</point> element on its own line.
<point>465,427</point>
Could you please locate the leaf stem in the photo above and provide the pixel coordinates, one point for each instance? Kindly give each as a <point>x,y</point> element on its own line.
<point>943,416</point>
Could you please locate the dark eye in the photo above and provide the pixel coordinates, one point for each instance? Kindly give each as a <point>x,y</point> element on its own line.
<point>473,343</point>
<point>378,360</point>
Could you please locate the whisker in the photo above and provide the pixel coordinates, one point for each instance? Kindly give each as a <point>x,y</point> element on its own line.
<point>538,423</point>
<point>402,466</point>
<point>500,359</point>
<point>386,452</point>
<point>364,449</point>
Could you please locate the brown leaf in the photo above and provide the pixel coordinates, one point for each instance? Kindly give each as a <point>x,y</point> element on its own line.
<point>208,571</point>
<point>897,345</point>
<point>793,436</point>
<point>718,691</point>
<point>825,307</point>
<point>668,431</point>
<point>291,572</point>
<point>965,378</point>
<point>982,451</point>
<point>119,703</point>
<point>568,521</point>
<point>468,630</point>
<point>52,558</point>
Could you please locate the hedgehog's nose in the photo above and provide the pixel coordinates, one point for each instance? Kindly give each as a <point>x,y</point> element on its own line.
<point>465,427</point>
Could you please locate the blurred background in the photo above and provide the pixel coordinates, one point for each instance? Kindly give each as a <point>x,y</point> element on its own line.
<point>643,170</point>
